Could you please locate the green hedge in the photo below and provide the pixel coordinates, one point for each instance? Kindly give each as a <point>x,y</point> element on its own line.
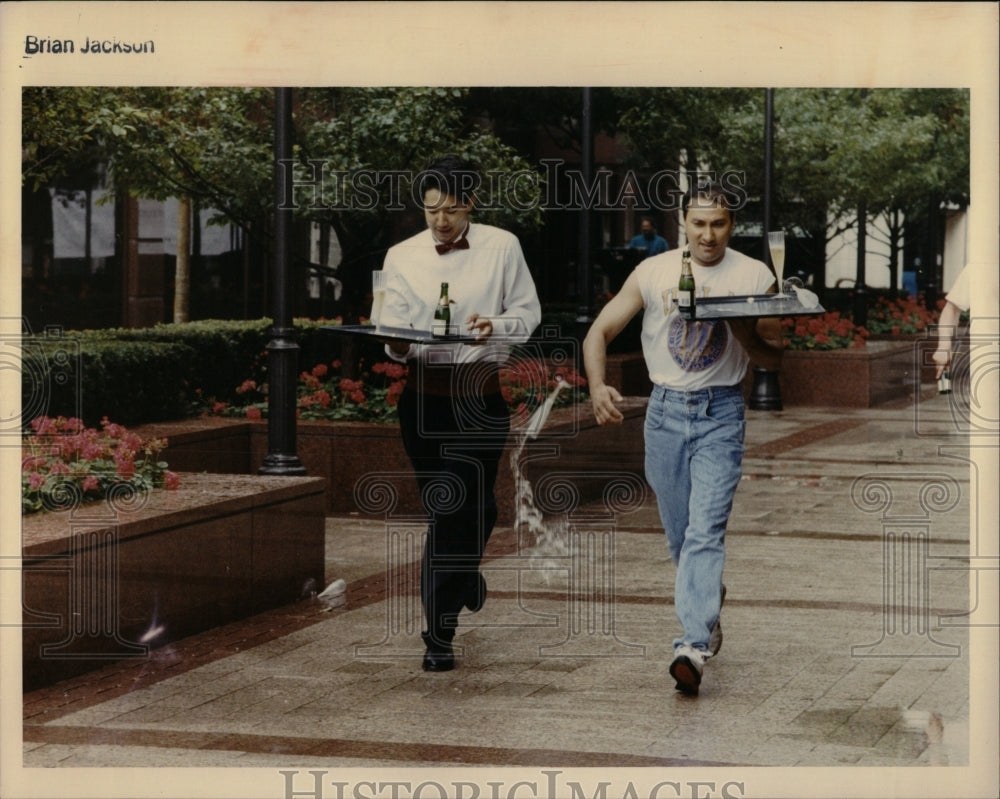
<point>90,378</point>
<point>134,376</point>
<point>167,372</point>
<point>225,353</point>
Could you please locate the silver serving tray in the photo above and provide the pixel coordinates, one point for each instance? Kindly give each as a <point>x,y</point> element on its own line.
<point>752,307</point>
<point>399,334</point>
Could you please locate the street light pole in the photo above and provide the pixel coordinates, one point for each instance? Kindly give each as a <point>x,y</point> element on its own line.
<point>768,170</point>
<point>282,349</point>
<point>584,312</point>
<point>766,392</point>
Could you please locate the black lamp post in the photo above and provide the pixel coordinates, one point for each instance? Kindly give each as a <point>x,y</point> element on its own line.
<point>768,172</point>
<point>861,279</point>
<point>766,393</point>
<point>282,349</point>
<point>584,312</point>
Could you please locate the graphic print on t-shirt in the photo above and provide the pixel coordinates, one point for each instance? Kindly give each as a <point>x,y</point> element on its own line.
<point>695,346</point>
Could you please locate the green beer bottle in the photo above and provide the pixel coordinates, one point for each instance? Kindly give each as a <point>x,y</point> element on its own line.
<point>442,314</point>
<point>685,288</point>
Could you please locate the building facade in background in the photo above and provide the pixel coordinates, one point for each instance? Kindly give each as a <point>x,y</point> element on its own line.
<point>95,260</point>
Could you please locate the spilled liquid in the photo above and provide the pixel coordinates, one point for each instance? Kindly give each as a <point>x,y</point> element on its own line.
<point>550,545</point>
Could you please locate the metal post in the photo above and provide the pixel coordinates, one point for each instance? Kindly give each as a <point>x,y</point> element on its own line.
<point>768,171</point>
<point>861,278</point>
<point>766,392</point>
<point>585,312</point>
<point>282,350</point>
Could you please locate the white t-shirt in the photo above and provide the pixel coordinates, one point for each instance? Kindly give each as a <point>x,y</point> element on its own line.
<point>685,355</point>
<point>959,294</point>
<point>490,278</point>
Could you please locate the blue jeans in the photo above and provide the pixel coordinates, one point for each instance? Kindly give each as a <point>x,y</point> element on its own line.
<point>694,455</point>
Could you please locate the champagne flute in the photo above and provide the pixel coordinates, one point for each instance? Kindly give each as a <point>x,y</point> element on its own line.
<point>776,244</point>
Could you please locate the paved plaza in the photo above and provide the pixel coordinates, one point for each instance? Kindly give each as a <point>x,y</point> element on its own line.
<point>849,646</point>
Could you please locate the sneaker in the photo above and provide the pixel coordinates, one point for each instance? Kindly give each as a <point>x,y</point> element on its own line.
<point>715,641</point>
<point>687,667</point>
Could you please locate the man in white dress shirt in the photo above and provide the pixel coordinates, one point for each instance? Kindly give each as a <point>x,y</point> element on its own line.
<point>453,419</point>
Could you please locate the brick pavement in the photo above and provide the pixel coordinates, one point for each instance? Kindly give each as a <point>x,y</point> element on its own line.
<point>847,638</point>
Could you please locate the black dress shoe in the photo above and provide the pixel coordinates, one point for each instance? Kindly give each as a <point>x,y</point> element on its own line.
<point>439,655</point>
<point>439,658</point>
<point>476,597</point>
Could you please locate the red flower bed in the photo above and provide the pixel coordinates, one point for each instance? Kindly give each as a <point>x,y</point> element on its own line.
<point>831,331</point>
<point>323,394</point>
<point>65,463</point>
<point>902,316</point>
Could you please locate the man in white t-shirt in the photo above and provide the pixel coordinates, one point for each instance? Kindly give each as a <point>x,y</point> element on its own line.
<point>695,421</point>
<point>958,300</point>
<point>453,419</point>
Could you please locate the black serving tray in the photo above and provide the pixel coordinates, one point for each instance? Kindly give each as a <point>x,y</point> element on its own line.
<point>399,334</point>
<point>752,307</point>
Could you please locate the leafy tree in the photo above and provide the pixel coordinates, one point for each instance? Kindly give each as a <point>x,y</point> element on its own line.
<point>937,163</point>
<point>672,127</point>
<point>366,145</point>
<point>208,147</point>
<point>56,137</point>
<point>836,151</point>
<point>213,147</point>
<point>204,146</point>
<point>526,117</point>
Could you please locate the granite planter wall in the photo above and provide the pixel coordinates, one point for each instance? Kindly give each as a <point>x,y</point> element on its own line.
<point>356,458</point>
<point>882,371</point>
<point>879,372</point>
<point>109,580</point>
<point>922,347</point>
<point>628,373</point>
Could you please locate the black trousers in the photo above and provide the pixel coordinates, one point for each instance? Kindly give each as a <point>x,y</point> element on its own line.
<point>455,445</point>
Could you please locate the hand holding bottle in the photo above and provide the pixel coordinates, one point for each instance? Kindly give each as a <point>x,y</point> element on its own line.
<point>941,358</point>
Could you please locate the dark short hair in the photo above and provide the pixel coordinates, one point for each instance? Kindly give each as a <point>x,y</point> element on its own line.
<point>714,193</point>
<point>451,175</point>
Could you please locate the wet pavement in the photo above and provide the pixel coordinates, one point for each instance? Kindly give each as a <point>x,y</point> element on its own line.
<point>849,641</point>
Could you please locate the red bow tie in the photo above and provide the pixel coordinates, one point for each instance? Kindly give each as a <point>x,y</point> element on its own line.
<point>461,244</point>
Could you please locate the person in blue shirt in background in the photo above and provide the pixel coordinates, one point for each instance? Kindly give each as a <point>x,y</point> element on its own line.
<point>648,239</point>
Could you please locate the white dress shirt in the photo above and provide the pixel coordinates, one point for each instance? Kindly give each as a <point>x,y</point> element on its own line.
<point>490,278</point>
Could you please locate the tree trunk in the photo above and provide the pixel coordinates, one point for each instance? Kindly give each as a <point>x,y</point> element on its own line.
<point>893,218</point>
<point>182,278</point>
